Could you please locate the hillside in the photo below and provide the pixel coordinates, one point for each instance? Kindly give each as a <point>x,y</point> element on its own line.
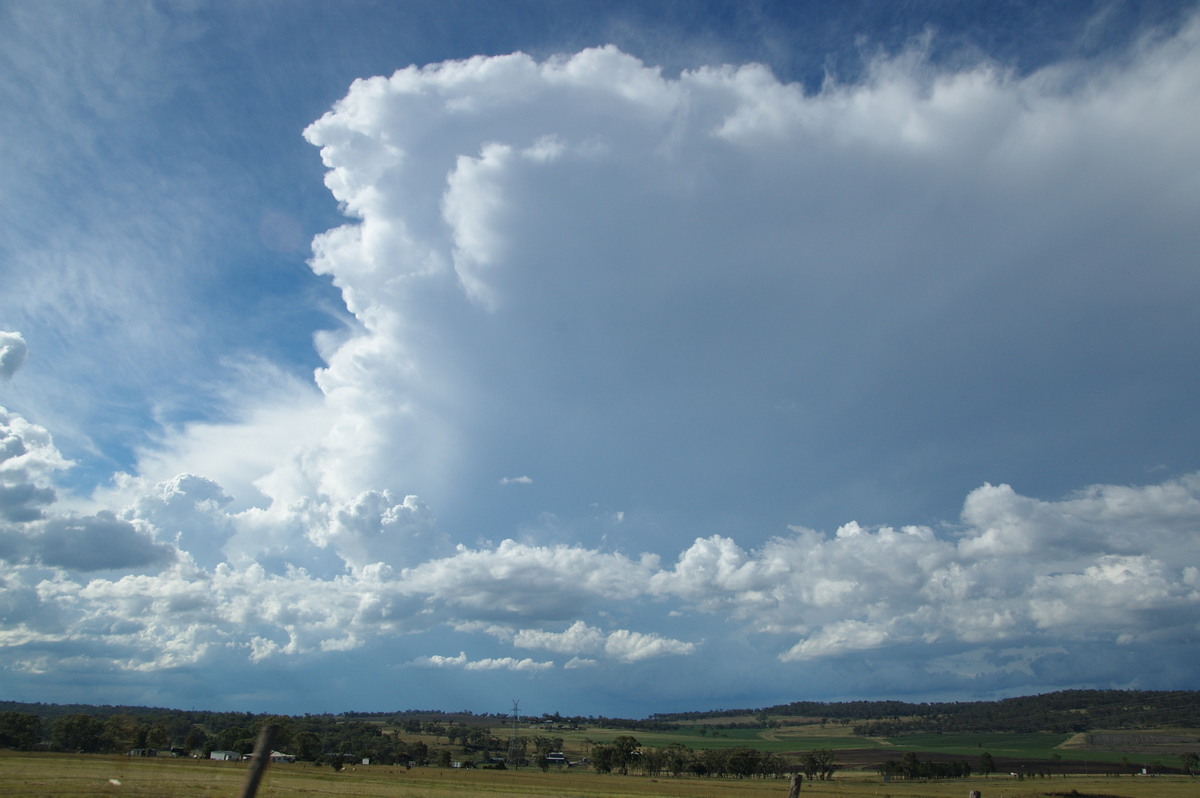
<point>1067,711</point>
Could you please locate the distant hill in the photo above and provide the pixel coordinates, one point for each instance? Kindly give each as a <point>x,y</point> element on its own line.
<point>1067,711</point>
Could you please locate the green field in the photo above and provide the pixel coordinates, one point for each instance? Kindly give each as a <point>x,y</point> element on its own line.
<point>1141,749</point>
<point>73,776</point>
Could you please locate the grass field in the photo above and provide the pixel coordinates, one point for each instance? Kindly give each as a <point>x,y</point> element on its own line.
<point>74,776</point>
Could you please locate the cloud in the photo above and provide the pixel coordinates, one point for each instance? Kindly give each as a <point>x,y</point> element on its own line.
<point>376,527</point>
<point>723,303</point>
<point>28,461</point>
<point>98,543</point>
<point>516,580</point>
<point>508,663</point>
<point>1021,569</point>
<point>626,646</point>
<point>621,645</point>
<point>801,597</point>
<point>540,254</point>
<point>487,664</point>
<point>12,353</point>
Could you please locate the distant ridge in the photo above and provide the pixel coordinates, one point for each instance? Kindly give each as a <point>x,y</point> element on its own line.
<point>1064,711</point>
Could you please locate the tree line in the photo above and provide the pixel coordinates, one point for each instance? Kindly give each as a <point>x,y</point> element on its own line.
<point>311,737</point>
<point>913,767</point>
<point>626,755</point>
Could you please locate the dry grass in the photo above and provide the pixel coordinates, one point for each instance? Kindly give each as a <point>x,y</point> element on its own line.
<point>66,776</point>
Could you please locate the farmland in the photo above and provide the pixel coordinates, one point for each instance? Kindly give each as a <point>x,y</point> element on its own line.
<point>73,775</point>
<point>1030,741</point>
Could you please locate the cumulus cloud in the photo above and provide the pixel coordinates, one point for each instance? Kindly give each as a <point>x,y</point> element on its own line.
<point>28,460</point>
<point>1017,569</point>
<point>12,353</point>
<point>806,596</point>
<point>487,664</point>
<point>517,580</point>
<point>621,645</point>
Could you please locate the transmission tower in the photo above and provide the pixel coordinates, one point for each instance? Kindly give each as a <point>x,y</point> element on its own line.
<point>514,752</point>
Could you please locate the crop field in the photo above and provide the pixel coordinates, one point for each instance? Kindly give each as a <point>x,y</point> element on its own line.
<point>72,776</point>
<point>1145,748</point>
<point>1035,745</point>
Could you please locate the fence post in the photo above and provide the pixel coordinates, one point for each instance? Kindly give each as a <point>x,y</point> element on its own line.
<point>259,760</point>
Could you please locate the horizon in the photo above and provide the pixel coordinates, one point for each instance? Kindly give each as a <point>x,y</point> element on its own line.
<point>709,351</point>
<point>651,717</point>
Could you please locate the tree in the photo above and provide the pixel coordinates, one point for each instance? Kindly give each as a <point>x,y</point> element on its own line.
<point>231,737</point>
<point>626,749</point>
<point>308,746</point>
<point>986,765</point>
<point>283,730</point>
<point>20,730</point>
<point>820,763</point>
<point>1190,760</point>
<point>744,762</point>
<point>156,736</point>
<point>77,732</point>
<point>677,756</point>
<point>604,758</point>
<point>195,739</point>
<point>542,748</point>
<point>123,732</point>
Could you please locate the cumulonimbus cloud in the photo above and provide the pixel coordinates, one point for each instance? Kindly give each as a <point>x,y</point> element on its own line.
<point>539,262</point>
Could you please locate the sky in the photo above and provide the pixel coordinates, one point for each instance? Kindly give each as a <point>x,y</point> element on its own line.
<point>613,358</point>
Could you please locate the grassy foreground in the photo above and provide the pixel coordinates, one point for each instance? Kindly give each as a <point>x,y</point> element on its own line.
<point>69,776</point>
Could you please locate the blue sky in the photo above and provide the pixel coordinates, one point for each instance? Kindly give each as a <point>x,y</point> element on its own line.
<point>614,358</point>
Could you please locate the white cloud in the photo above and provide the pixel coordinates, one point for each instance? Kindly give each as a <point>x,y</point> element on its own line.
<point>577,638</point>
<point>521,480</point>
<point>516,580</point>
<point>487,664</point>
<point>817,597</point>
<point>508,664</point>
<point>843,637</point>
<point>579,662</point>
<point>621,645</point>
<point>626,646</point>
<point>439,661</point>
<point>589,232</point>
<point>12,353</point>
<point>1022,569</point>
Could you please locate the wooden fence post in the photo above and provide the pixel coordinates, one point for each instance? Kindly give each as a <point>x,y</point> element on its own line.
<point>259,760</point>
